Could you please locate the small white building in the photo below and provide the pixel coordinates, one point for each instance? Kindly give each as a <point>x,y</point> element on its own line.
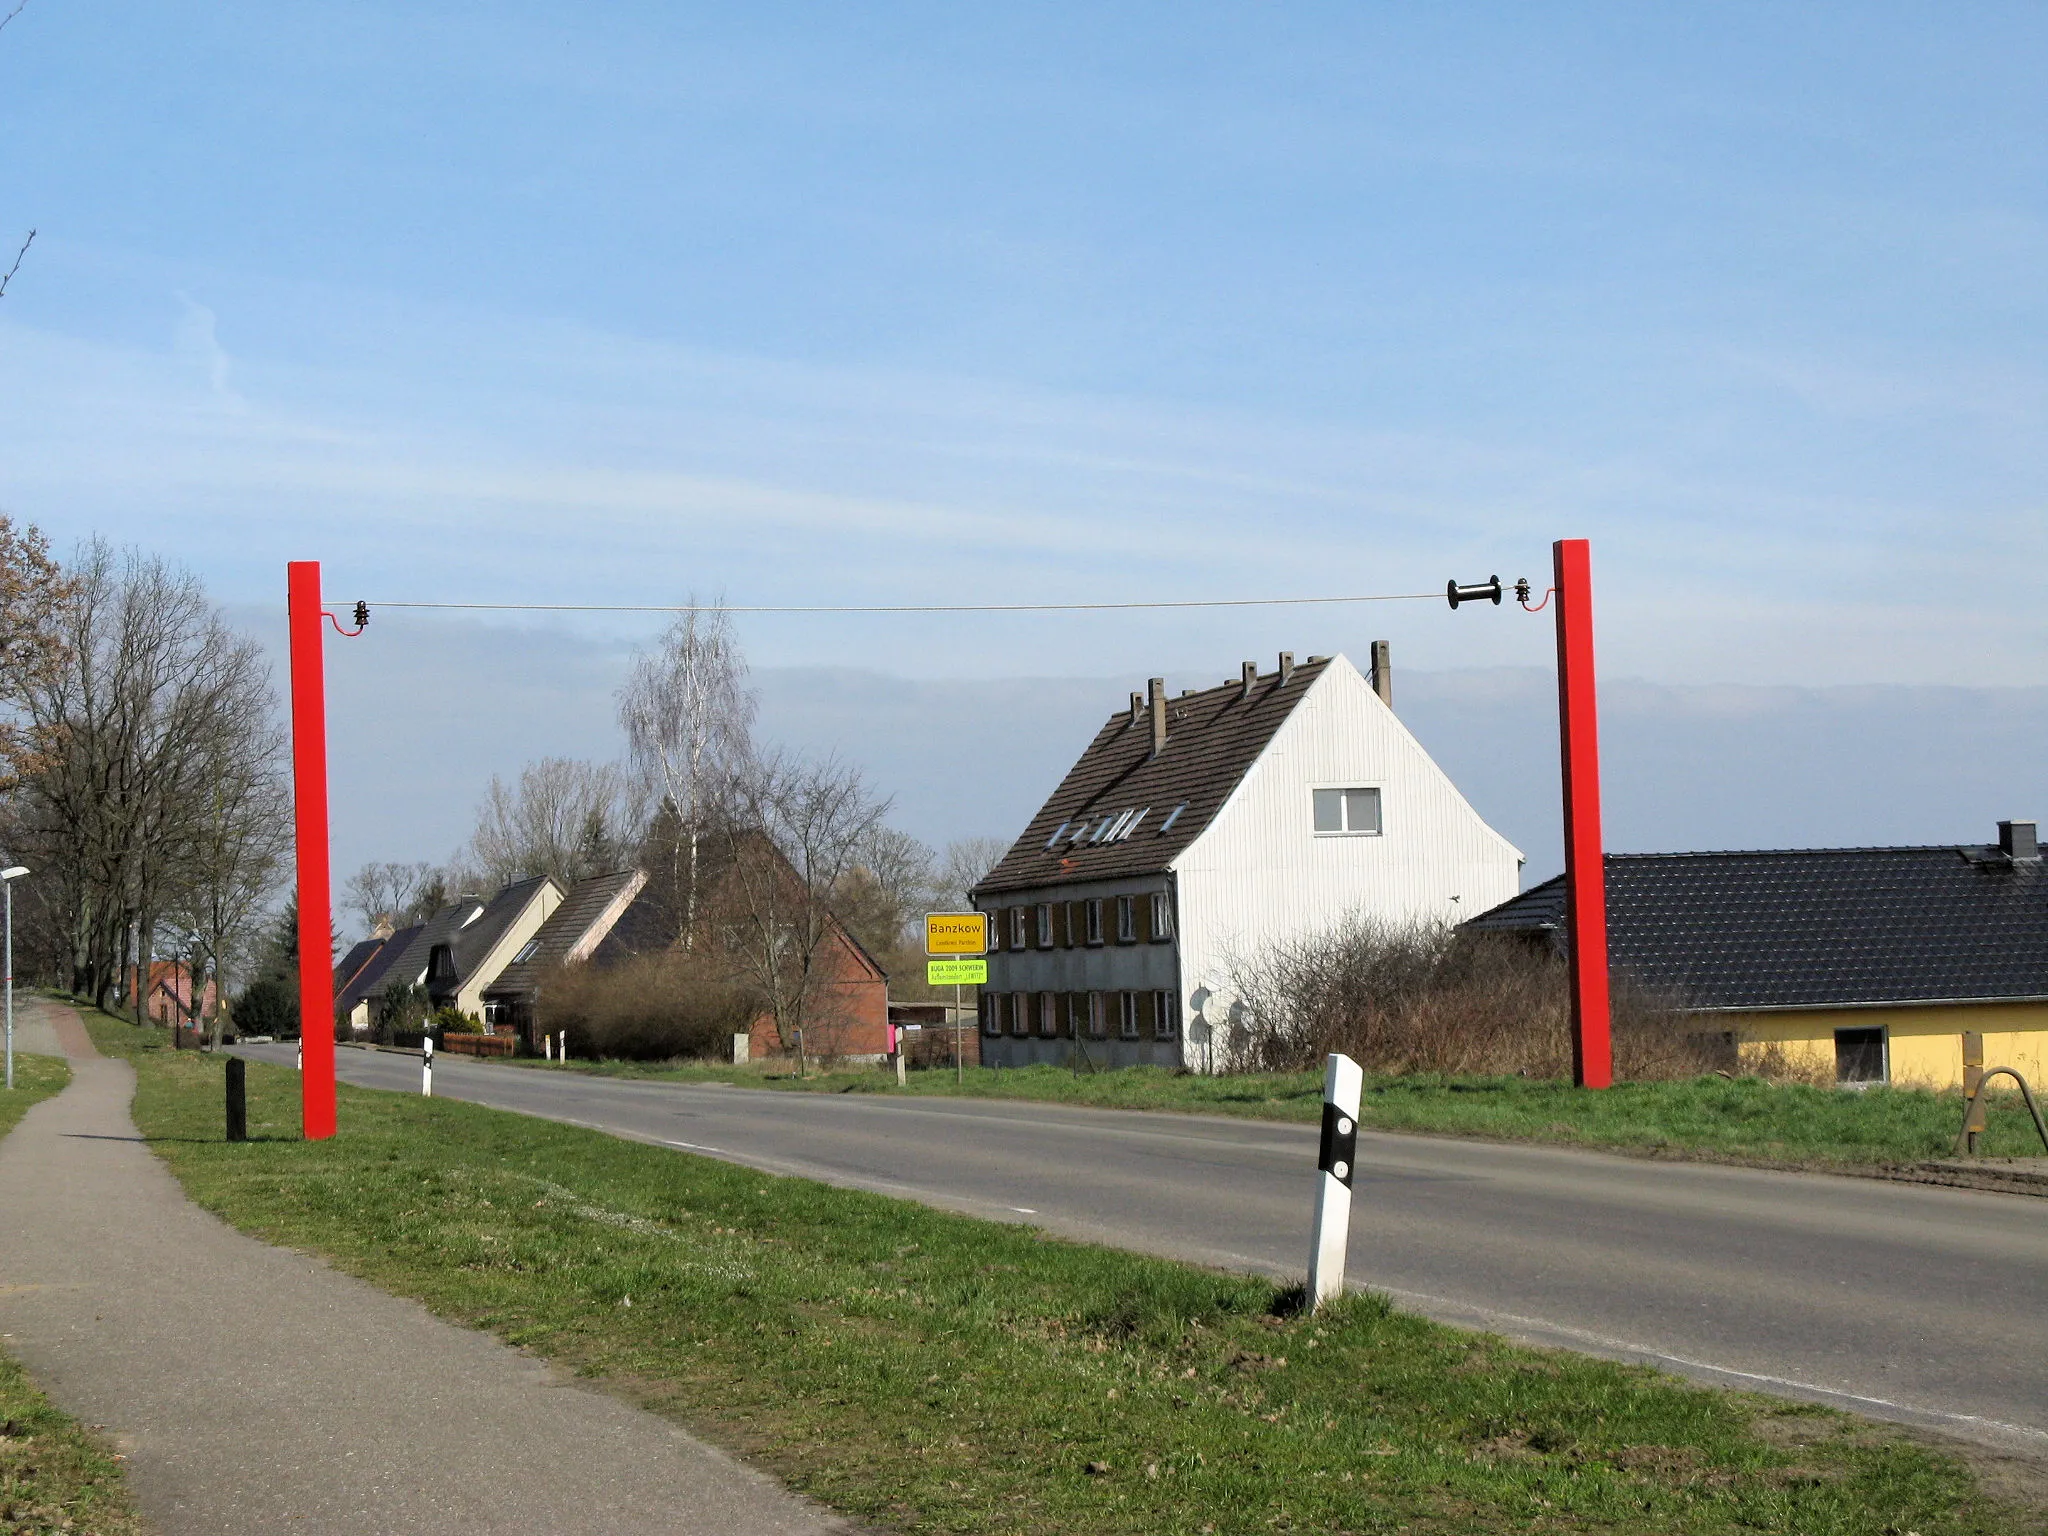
<point>1194,831</point>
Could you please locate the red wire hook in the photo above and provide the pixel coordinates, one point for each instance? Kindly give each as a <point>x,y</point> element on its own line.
<point>362,618</point>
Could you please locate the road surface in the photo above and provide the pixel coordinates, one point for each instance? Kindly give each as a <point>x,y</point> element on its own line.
<point>1908,1302</point>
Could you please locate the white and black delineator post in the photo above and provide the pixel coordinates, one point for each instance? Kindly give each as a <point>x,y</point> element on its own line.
<point>427,1067</point>
<point>1336,1161</point>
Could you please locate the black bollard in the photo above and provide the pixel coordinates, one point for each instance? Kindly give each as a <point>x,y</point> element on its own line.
<point>238,1099</point>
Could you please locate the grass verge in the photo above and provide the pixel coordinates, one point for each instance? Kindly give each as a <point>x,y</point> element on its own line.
<point>55,1474</point>
<point>929,1372</point>
<point>1733,1120</point>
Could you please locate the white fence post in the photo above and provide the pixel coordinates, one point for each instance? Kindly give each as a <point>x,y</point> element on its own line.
<point>427,1068</point>
<point>1336,1162</point>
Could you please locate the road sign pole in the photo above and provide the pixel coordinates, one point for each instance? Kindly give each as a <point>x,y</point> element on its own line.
<point>959,1072</point>
<point>309,814</point>
<point>1585,870</point>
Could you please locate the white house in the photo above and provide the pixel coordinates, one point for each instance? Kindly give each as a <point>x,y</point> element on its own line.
<point>1195,830</point>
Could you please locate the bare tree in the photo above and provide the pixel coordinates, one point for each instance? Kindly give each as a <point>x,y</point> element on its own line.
<point>882,895</point>
<point>160,774</point>
<point>688,717</point>
<point>235,847</point>
<point>963,866</point>
<point>565,818</point>
<point>33,645</point>
<point>394,895</point>
<point>794,832</point>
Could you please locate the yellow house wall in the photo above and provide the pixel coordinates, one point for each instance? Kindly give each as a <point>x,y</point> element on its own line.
<point>1925,1043</point>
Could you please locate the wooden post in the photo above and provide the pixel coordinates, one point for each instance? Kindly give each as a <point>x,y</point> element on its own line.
<point>1585,870</point>
<point>309,807</point>
<point>1973,1089</point>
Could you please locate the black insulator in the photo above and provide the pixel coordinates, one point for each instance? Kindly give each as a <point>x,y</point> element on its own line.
<point>1481,591</point>
<point>362,615</point>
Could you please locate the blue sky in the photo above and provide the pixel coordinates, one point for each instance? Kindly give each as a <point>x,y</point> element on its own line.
<point>893,303</point>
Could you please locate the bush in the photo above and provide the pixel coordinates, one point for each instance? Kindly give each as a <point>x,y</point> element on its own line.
<point>1427,998</point>
<point>268,1007</point>
<point>449,1021</point>
<point>646,1008</point>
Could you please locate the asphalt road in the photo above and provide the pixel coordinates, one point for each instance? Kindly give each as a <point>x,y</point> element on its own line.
<point>1919,1304</point>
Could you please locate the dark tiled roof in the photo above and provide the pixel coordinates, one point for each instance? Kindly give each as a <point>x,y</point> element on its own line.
<point>371,978</point>
<point>1820,927</point>
<point>567,926</point>
<point>1212,739</point>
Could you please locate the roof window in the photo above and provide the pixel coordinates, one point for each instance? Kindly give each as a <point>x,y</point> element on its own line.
<point>526,951</point>
<point>1057,833</point>
<point>1171,817</point>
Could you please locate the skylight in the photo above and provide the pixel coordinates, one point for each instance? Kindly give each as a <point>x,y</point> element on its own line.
<point>1171,817</point>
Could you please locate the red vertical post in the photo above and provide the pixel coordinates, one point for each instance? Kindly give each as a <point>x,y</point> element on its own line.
<point>309,808</point>
<point>1585,871</point>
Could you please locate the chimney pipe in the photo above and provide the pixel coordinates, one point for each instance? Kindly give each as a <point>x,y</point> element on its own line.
<point>1137,707</point>
<point>1158,688</point>
<point>1383,672</point>
<point>1286,667</point>
<point>1250,679</point>
<point>2019,841</point>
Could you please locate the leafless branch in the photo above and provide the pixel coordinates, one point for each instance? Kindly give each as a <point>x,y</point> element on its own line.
<point>31,240</point>
<point>12,14</point>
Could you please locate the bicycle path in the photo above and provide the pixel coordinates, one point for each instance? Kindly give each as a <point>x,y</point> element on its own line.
<point>253,1389</point>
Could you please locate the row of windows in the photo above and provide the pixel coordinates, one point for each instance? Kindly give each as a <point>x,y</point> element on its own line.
<point>1083,924</point>
<point>1087,1015</point>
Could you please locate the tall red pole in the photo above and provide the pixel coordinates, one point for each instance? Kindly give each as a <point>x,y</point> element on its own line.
<point>309,804</point>
<point>1585,873</point>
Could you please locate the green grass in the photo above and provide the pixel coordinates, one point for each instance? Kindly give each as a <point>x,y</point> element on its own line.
<point>1736,1120</point>
<point>55,1474</point>
<point>923,1371</point>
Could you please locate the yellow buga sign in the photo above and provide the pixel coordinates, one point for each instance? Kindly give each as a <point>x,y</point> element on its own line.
<point>956,933</point>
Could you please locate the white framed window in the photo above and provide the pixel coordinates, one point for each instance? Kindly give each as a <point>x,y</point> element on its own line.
<point>1048,1014</point>
<point>1127,919</point>
<point>1045,925</point>
<point>1098,1016</point>
<point>1127,1015</point>
<point>1020,1013</point>
<point>1094,920</point>
<point>1162,916</point>
<point>1347,812</point>
<point>1019,938</point>
<point>1165,1016</point>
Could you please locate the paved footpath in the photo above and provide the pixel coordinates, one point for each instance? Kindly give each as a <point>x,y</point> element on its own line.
<point>255,1390</point>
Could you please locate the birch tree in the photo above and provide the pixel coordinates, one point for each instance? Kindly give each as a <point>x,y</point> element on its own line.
<point>688,717</point>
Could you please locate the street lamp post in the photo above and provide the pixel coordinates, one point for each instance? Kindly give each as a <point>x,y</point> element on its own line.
<point>7,879</point>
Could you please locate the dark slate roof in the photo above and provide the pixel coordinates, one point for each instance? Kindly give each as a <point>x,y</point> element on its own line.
<point>350,965</point>
<point>1815,928</point>
<point>567,926</point>
<point>409,965</point>
<point>474,940</point>
<point>370,979</point>
<point>1212,739</point>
